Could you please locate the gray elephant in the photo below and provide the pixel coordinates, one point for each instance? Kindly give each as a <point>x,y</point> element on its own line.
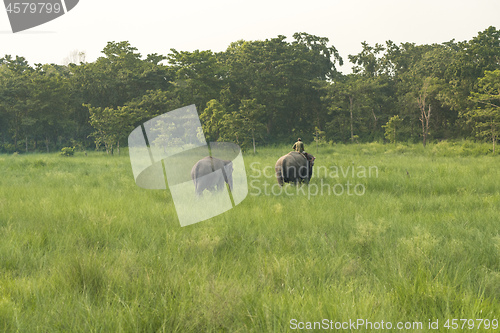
<point>294,167</point>
<point>205,178</point>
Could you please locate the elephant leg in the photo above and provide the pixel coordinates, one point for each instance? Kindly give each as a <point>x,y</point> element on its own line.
<point>199,191</point>
<point>279,176</point>
<point>280,181</point>
<point>220,185</point>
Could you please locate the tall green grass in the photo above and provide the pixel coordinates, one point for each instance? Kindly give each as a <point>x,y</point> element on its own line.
<point>83,249</point>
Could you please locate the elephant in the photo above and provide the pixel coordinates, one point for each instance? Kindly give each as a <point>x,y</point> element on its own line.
<point>294,167</point>
<point>204,174</point>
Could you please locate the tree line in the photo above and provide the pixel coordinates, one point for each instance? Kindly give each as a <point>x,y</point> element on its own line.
<point>259,92</point>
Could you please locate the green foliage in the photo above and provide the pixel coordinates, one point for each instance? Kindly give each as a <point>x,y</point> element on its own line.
<point>260,91</point>
<point>319,135</point>
<point>67,151</point>
<point>212,119</point>
<point>485,118</point>
<point>390,128</point>
<point>245,125</point>
<point>112,125</point>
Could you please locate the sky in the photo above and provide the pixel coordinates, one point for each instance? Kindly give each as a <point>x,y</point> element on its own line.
<point>156,26</point>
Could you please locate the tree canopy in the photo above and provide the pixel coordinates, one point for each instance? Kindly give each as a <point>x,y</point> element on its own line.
<point>258,92</point>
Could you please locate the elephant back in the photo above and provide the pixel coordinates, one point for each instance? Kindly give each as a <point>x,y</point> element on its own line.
<point>295,159</point>
<point>207,165</point>
<point>288,166</point>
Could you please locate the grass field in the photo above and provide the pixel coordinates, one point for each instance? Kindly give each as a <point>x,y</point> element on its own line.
<point>83,249</point>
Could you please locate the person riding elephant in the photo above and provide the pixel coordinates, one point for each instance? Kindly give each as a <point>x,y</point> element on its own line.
<point>210,173</point>
<point>298,146</point>
<point>294,167</point>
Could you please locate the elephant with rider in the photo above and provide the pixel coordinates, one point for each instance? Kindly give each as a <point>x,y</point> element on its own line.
<point>294,167</point>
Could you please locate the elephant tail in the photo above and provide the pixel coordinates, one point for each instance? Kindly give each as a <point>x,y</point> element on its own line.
<point>193,174</point>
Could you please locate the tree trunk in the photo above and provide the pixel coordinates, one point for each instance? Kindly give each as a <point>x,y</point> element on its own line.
<point>493,136</point>
<point>253,139</point>
<point>375,122</point>
<point>47,143</point>
<point>423,133</point>
<point>424,116</point>
<point>118,147</point>
<point>269,126</point>
<point>427,117</point>
<point>316,140</point>
<point>26,144</point>
<point>424,119</point>
<point>351,102</point>
<point>16,132</point>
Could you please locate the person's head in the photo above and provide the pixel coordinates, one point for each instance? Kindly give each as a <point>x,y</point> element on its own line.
<point>299,139</point>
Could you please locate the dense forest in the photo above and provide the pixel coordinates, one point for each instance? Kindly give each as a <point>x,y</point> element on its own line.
<point>259,91</point>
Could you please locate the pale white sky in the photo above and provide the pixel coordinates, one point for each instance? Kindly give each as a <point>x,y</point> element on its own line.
<point>155,26</point>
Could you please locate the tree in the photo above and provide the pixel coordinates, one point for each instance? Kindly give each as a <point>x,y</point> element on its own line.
<point>469,62</point>
<point>352,101</point>
<point>349,89</point>
<point>486,116</point>
<point>243,126</point>
<point>14,97</point>
<point>197,76</point>
<point>391,127</point>
<point>319,136</point>
<point>48,104</point>
<point>368,62</point>
<point>212,119</point>
<point>285,85</point>
<point>283,76</point>
<point>112,125</point>
<point>153,103</point>
<point>119,77</point>
<point>252,113</point>
<point>425,109</point>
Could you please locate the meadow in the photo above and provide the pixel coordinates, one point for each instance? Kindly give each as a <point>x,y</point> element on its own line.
<point>83,249</point>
